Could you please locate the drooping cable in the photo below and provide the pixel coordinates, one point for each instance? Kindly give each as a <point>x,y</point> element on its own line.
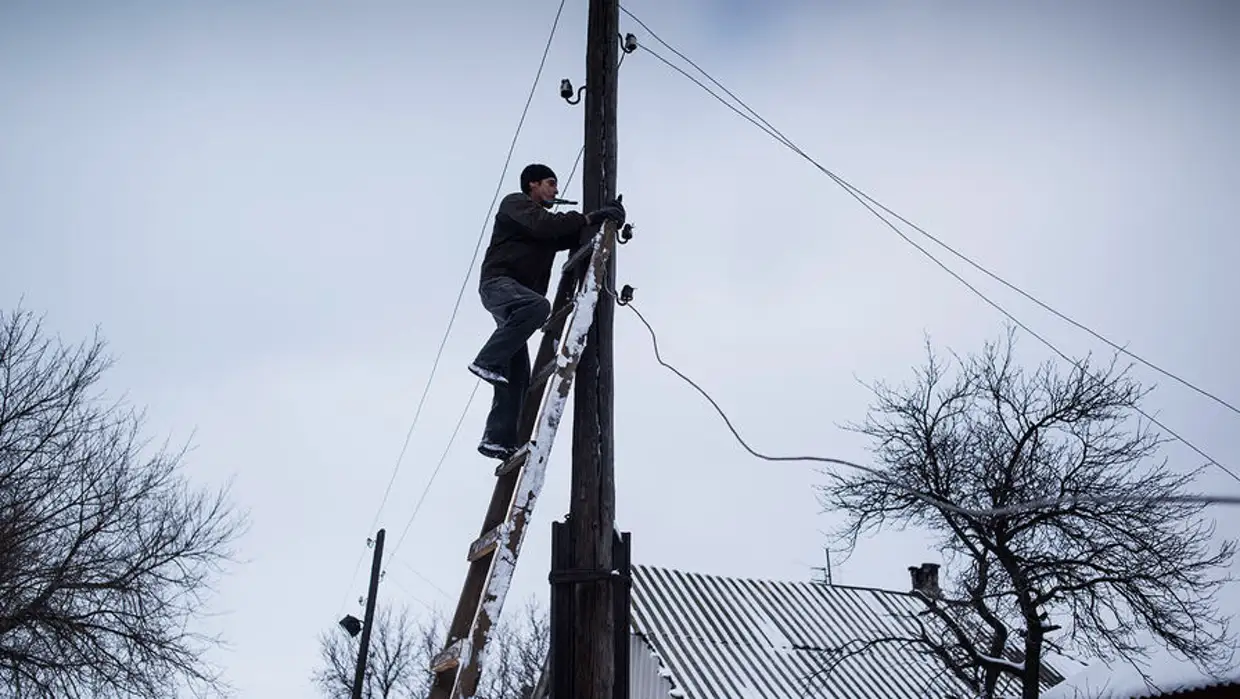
<point>924,497</point>
<point>464,284</point>
<point>442,457</point>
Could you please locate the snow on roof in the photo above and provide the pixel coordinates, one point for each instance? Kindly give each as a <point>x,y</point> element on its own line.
<point>718,637</point>
<point>1167,674</point>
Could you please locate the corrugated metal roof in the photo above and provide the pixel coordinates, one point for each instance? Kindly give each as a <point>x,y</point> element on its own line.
<point>724,637</point>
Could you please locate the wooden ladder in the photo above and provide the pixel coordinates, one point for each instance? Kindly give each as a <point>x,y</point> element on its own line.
<point>519,479</point>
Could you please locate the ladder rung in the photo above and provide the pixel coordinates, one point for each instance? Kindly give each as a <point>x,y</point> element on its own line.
<point>486,543</point>
<point>448,658</point>
<point>556,320</point>
<point>539,380</point>
<point>583,253</point>
<point>514,462</point>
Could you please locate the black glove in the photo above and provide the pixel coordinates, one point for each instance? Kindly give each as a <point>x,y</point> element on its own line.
<point>614,211</point>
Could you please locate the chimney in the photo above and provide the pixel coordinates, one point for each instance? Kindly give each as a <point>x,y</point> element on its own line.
<point>925,579</point>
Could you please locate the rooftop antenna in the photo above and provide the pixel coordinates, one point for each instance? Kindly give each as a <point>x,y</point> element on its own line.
<point>823,574</point>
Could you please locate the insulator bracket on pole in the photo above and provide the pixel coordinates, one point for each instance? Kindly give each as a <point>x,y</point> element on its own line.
<point>566,91</point>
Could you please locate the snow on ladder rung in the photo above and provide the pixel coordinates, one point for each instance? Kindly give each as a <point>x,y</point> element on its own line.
<point>516,461</point>
<point>486,543</point>
<point>449,657</point>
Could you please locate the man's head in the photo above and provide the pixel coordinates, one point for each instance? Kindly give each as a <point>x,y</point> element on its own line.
<point>538,181</point>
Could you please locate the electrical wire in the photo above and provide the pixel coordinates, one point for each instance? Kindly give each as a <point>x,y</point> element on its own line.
<point>775,133</point>
<point>779,136</point>
<point>920,495</point>
<point>1027,329</point>
<point>427,580</point>
<point>464,283</point>
<point>442,457</point>
<point>866,200</point>
<point>410,594</point>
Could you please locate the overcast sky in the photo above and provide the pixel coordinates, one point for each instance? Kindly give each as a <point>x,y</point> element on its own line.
<point>269,209</point>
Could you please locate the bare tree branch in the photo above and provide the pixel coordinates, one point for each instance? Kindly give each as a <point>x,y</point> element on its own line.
<point>106,553</point>
<point>1118,559</point>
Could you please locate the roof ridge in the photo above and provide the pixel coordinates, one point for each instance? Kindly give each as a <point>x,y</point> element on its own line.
<point>759,579</point>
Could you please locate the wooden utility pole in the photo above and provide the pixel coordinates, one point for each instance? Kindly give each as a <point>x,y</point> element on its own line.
<point>363,649</point>
<point>592,509</point>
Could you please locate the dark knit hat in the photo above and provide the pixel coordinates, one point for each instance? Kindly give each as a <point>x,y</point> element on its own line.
<point>536,172</point>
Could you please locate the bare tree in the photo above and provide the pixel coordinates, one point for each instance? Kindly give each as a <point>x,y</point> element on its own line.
<point>1090,577</point>
<point>396,666</point>
<point>106,554</point>
<point>401,648</point>
<point>515,655</point>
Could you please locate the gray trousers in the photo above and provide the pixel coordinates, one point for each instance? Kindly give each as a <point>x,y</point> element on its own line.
<point>519,312</point>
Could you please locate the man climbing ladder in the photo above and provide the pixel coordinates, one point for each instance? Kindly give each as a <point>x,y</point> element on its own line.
<point>516,271</point>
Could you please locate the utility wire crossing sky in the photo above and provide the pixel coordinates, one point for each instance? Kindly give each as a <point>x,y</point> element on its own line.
<point>157,183</point>
<point>865,200</point>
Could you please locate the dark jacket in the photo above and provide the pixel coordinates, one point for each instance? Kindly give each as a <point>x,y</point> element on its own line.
<point>526,238</point>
